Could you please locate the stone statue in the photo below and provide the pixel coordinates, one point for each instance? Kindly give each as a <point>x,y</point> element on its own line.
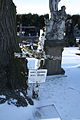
<point>55,26</point>
<point>53,6</point>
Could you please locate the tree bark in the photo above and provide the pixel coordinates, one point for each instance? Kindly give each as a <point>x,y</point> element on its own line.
<point>10,68</point>
<point>7,30</point>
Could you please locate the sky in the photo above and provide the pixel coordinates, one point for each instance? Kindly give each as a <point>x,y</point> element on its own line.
<point>41,7</point>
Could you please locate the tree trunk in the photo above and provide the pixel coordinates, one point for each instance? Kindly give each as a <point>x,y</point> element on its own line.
<point>10,68</point>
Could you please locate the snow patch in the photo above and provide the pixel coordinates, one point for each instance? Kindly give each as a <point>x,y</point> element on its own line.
<point>2,96</point>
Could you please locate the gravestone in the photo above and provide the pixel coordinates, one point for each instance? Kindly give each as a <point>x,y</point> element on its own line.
<point>54,44</point>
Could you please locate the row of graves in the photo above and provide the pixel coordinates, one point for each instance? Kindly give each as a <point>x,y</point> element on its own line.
<point>35,59</point>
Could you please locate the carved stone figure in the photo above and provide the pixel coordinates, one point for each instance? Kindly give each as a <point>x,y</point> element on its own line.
<point>55,26</point>
<point>53,6</point>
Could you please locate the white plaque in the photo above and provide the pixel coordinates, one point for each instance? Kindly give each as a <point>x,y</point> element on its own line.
<point>37,76</point>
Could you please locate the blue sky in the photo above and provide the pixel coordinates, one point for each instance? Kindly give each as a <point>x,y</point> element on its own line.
<point>42,6</point>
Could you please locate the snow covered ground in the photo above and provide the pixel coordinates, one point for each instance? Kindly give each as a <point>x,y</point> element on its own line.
<point>59,96</point>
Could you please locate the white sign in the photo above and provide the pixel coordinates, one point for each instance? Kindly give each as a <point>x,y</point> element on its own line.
<point>37,76</point>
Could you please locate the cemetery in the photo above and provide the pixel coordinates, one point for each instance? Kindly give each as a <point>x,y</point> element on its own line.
<point>39,74</point>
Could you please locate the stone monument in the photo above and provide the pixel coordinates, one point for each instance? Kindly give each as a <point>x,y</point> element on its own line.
<point>55,28</point>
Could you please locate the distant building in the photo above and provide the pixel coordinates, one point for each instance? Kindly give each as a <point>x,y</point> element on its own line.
<point>28,33</point>
<point>27,30</point>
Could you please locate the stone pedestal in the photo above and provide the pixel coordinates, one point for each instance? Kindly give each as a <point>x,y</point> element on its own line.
<point>54,44</point>
<point>55,49</point>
